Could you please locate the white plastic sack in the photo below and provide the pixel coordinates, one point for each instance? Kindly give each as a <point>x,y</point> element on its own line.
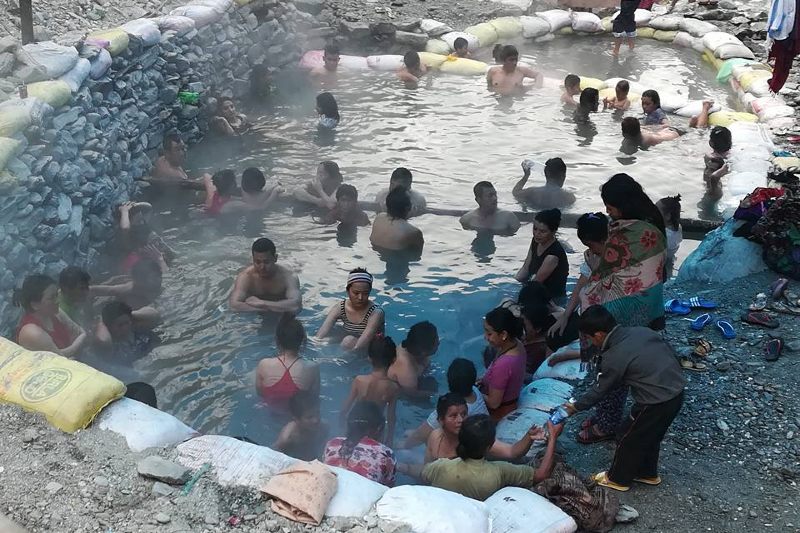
<point>143,426</point>
<point>741,257</point>
<point>78,74</point>
<point>220,6</point>
<point>758,105</point>
<point>355,494</point>
<point>778,111</point>
<point>515,424</point>
<point>201,15</point>
<point>694,107</point>
<point>715,39</point>
<point>450,39</point>
<point>179,24</point>
<point>236,463</point>
<point>434,28</point>
<point>671,101</point>
<point>698,46</point>
<point>540,401</point>
<point>514,509</point>
<point>353,62</point>
<point>731,50</point>
<point>683,39</point>
<point>145,30</point>
<point>385,63</point>
<point>698,28</point>
<point>643,17</point>
<point>567,370</point>
<point>30,110</point>
<point>432,510</point>
<point>533,27</point>
<point>585,21</point>
<point>666,22</point>
<point>781,123</point>
<point>100,64</point>
<point>551,386</point>
<point>760,87</point>
<point>14,117</point>
<point>557,18</point>
<point>55,59</point>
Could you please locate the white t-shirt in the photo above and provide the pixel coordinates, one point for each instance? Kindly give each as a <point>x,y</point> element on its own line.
<point>674,239</point>
<point>478,407</point>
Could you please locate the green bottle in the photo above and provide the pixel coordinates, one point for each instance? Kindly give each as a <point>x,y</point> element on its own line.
<point>188,97</point>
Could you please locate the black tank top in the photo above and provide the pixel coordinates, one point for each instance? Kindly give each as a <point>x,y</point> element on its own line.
<point>556,282</point>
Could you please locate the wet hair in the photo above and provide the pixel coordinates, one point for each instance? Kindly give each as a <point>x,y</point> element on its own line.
<point>347,191</point>
<point>32,290</point>
<point>73,277</point>
<point>508,51</point>
<point>327,105</point>
<point>532,293</point>
<point>571,80</point>
<point>289,333</point>
<point>671,211</point>
<point>496,52</point>
<point>460,42</point>
<point>421,338</point>
<point>224,181</point>
<point>589,99</point>
<point>481,186</point>
<point>402,174</point>
<point>720,139</point>
<point>626,194</point>
<point>144,269</point>
<point>461,376</point>
<point>596,318</point>
<point>501,319</point>
<point>332,49</point>
<point>476,436</point>
<point>593,227</point>
<point>446,401</point>
<point>653,96</point>
<point>332,170</point>
<point>364,418</point>
<point>411,60</point>
<point>253,180</point>
<point>623,86</point>
<point>263,246</point>
<point>170,139</point>
<point>222,101</point>
<point>550,218</point>
<point>555,170</point>
<point>382,352</point>
<point>631,129</point>
<point>302,402</point>
<point>113,310</point>
<point>398,203</point>
<point>537,314</point>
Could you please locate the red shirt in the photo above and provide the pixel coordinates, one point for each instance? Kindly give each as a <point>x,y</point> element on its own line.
<point>369,458</point>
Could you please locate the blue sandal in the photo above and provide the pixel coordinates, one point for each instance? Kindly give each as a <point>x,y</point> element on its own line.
<point>726,328</point>
<point>677,307</point>
<point>698,302</point>
<point>700,322</point>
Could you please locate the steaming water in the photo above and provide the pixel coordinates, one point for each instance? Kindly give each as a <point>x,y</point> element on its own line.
<point>451,134</point>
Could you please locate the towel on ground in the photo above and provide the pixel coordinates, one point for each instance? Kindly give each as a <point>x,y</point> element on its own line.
<point>302,491</point>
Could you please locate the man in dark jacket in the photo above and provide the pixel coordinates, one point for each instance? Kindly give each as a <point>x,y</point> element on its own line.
<point>640,359</point>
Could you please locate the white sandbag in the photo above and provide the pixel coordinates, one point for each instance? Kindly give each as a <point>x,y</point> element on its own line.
<point>201,15</point>
<point>220,6</point>
<point>143,426</point>
<point>672,101</point>
<point>54,58</point>
<point>715,39</point>
<point>385,63</point>
<point>515,424</point>
<point>545,38</point>
<point>355,495</point>
<point>585,21</point>
<point>450,38</point>
<point>634,86</point>
<point>697,28</point>
<point>540,401</point>
<point>774,112</point>
<point>698,46</point>
<point>760,87</point>
<point>353,62</point>
<point>514,509</point>
<point>437,46</point>
<point>731,50</point>
<point>781,123</point>
<point>551,386</point>
<point>14,117</point>
<point>684,39</point>
<point>235,463</point>
<point>434,28</point>
<point>759,105</point>
<point>77,75</point>
<point>432,510</point>
<point>566,370</point>
<point>666,22</point>
<point>179,24</point>
<point>146,30</point>
<point>694,107</point>
<point>557,18</point>
<point>100,64</point>
<point>533,27</point>
<point>643,17</point>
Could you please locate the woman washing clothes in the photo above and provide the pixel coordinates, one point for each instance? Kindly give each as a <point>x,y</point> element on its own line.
<point>361,318</point>
<point>505,376</point>
<point>546,261</point>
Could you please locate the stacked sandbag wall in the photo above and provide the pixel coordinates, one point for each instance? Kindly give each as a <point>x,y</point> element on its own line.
<point>97,112</point>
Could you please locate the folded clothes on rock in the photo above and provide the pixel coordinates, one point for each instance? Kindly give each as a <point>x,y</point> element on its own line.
<point>302,491</point>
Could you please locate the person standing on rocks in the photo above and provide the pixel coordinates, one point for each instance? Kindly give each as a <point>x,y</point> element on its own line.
<point>266,286</point>
<point>327,72</point>
<point>508,78</point>
<point>639,358</point>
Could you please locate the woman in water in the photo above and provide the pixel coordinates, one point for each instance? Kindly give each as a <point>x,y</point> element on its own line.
<point>504,378</point>
<point>628,281</point>
<point>360,451</point>
<point>328,111</point>
<point>651,105</point>
<point>361,318</point>
<point>321,191</point>
<point>546,261</point>
<point>281,377</point>
<point>44,327</point>
<point>228,121</point>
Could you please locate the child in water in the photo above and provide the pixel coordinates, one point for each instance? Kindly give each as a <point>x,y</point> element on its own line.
<point>328,111</point>
<point>219,192</point>
<point>572,88</point>
<point>715,163</point>
<point>651,105</point>
<point>412,69</point>
<point>670,207</point>
<point>346,209</point>
<point>620,100</point>
<point>305,435</point>
<point>461,48</point>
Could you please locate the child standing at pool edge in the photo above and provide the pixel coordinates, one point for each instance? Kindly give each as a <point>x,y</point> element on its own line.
<point>625,25</point>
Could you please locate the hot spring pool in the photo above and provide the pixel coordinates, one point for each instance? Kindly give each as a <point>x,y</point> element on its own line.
<point>451,133</point>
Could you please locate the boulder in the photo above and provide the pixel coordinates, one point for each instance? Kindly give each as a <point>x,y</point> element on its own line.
<point>415,41</point>
<point>166,471</point>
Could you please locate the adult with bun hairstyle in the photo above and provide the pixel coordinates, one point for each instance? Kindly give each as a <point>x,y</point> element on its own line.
<point>361,318</point>
<point>505,375</point>
<point>546,261</point>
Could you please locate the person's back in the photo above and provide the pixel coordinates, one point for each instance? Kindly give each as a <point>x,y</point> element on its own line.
<point>552,193</point>
<point>476,478</point>
<point>391,230</point>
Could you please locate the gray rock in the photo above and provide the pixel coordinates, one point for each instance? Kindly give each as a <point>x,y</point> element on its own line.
<point>163,518</point>
<point>162,489</point>
<point>355,30</point>
<point>31,74</point>
<point>7,61</point>
<point>64,207</point>
<point>417,41</point>
<point>53,487</point>
<point>158,468</point>
<point>30,435</point>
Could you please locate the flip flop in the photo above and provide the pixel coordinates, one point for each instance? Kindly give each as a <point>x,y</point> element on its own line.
<point>593,437</point>
<point>700,322</point>
<point>760,319</point>
<point>698,302</point>
<point>653,481</point>
<point>780,307</point>
<point>773,349</point>
<point>792,297</point>
<point>777,287</point>
<point>701,348</point>
<point>602,480</point>
<point>760,303</point>
<point>726,328</point>
<point>677,307</point>
<point>695,366</point>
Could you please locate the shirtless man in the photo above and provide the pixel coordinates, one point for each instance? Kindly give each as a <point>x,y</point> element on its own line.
<point>552,194</point>
<point>391,230</point>
<point>170,165</point>
<point>487,216</point>
<point>508,78</point>
<point>632,132</point>
<point>402,177</point>
<point>412,69</point>
<point>266,286</point>
<point>330,65</point>
<point>414,357</point>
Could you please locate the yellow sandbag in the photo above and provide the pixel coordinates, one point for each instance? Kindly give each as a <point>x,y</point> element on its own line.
<point>664,35</point>
<point>607,24</point>
<point>68,393</point>
<point>747,79</point>
<point>432,60</point>
<point>785,163</point>
<point>8,149</point>
<point>485,33</point>
<point>507,27</point>
<point>566,30</point>
<point>54,92</point>
<point>13,119</point>
<point>646,33</point>
<point>708,57</point>
<point>437,46</point>
<point>464,67</point>
<point>726,118</point>
<point>611,92</point>
<point>594,83</point>
<point>118,39</point>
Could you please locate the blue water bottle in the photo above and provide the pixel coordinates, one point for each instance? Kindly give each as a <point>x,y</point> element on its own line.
<point>558,415</point>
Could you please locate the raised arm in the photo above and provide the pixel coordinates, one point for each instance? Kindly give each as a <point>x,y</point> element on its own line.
<point>526,173</point>
<point>509,452</point>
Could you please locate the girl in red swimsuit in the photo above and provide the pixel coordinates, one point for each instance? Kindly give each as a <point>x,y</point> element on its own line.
<point>219,191</point>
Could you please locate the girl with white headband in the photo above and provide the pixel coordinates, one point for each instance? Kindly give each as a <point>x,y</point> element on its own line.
<point>360,317</point>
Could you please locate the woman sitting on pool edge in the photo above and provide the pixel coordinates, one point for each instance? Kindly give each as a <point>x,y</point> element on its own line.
<point>361,317</point>
<point>505,376</point>
<point>546,261</point>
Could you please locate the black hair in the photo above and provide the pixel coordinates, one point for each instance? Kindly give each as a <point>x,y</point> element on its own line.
<point>496,51</point>
<point>596,318</point>
<point>332,49</point>
<point>363,419</point>
<point>533,292</point>
<point>589,99</point>
<point>555,170</point>
<point>538,315</point>
<point>289,333</point>
<point>402,174</point>
<point>411,59</point>
<point>550,218</point>
<point>170,139</point>
<point>476,436</point>
<point>421,338</point>
<point>479,187</point>
<point>302,402</point>
<point>672,209</point>
<point>382,352</point>
<point>346,191</point>
<point>263,245</point>
<point>626,194</point>
<point>222,100</point>
<point>593,227</point>
<point>224,181</point>
<point>652,95</point>
<point>631,129</point>
<point>398,203</point>
<point>73,277</point>
<point>720,139</point>
<point>358,270</point>
<point>623,86</point>
<point>501,319</point>
<point>461,376</point>
<point>327,105</point>
<point>446,401</point>
<point>332,169</point>
<point>113,310</point>
<point>460,42</point>
<point>253,180</point>
<point>571,80</point>
<point>145,268</point>
<point>32,290</point>
<point>508,51</point>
